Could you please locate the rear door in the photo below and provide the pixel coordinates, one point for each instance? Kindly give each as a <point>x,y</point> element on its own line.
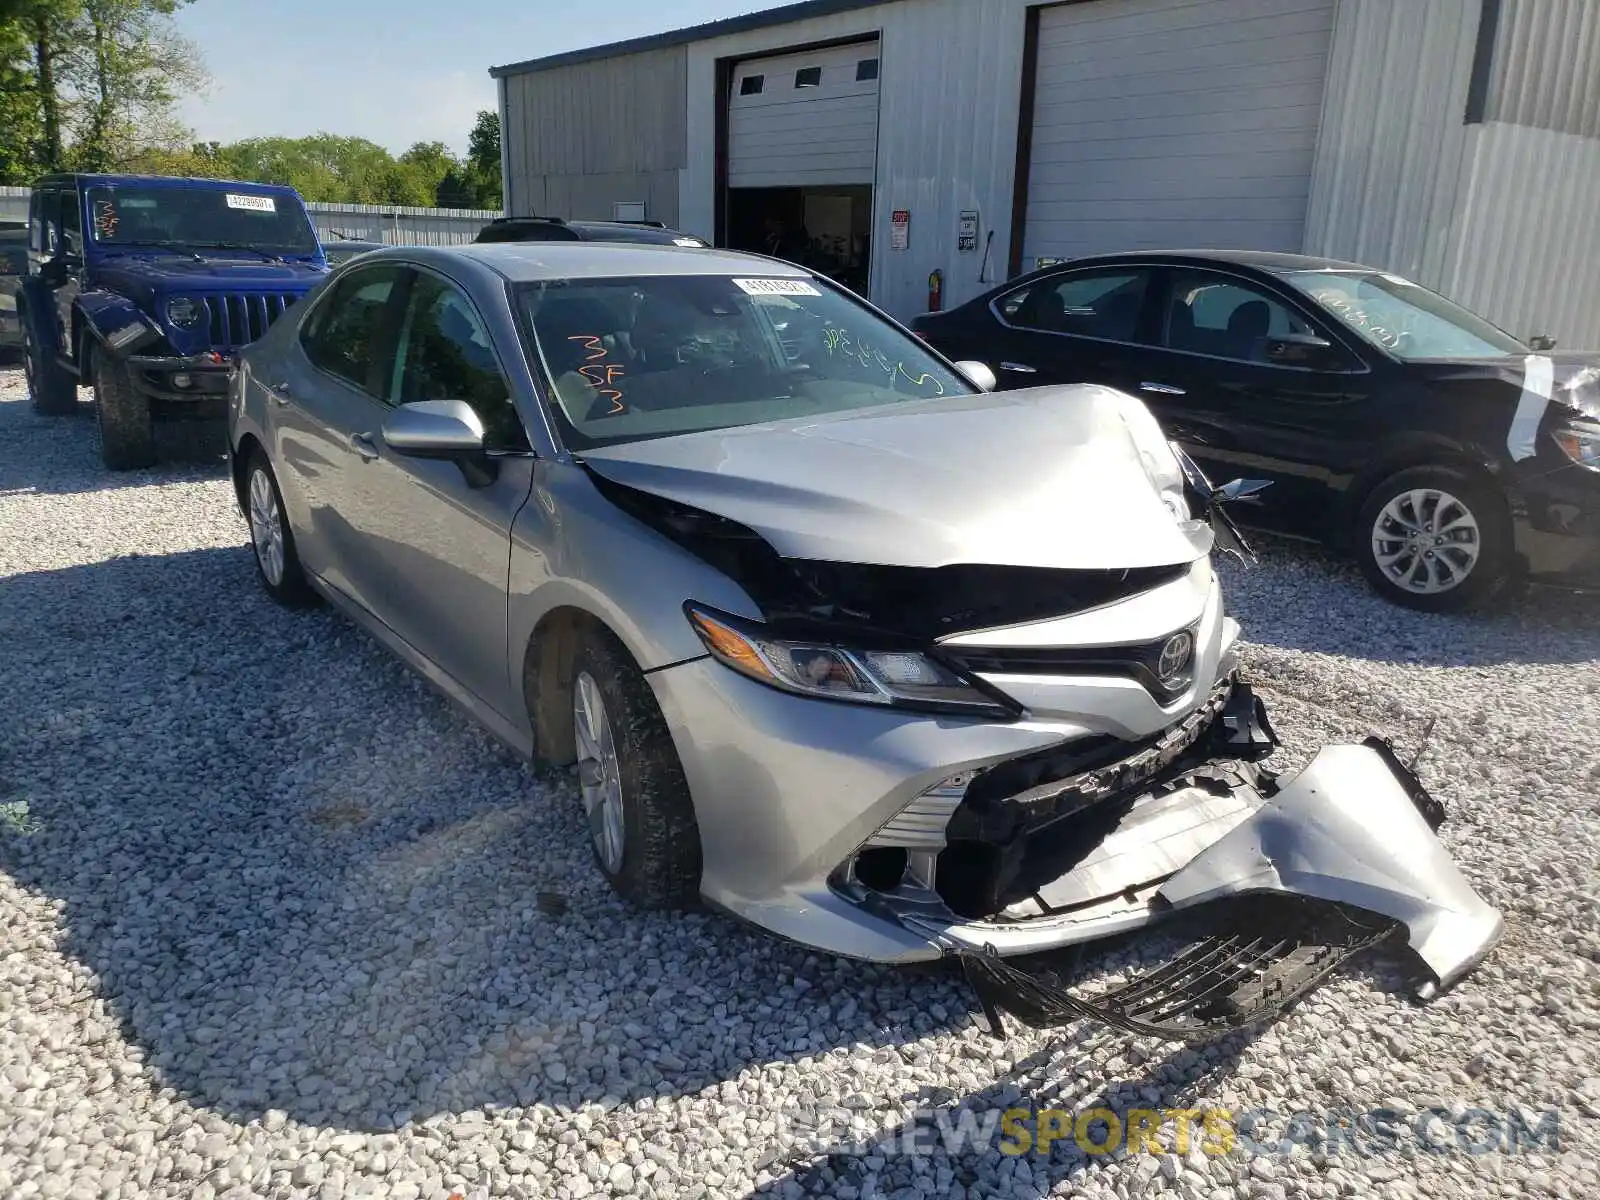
<point>322,391</point>
<point>1084,326</point>
<point>1212,381</point>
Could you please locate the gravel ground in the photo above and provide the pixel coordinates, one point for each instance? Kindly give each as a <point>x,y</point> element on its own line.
<point>276,921</point>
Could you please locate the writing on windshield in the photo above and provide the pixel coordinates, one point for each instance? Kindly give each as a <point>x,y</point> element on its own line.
<point>1337,302</point>
<point>601,375</point>
<point>841,343</point>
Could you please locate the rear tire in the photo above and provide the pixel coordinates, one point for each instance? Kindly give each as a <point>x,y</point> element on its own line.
<point>271,538</point>
<point>1435,539</point>
<point>640,815</point>
<point>127,441</point>
<point>53,389</point>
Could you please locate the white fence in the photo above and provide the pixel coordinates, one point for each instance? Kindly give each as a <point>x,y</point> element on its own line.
<point>394,224</point>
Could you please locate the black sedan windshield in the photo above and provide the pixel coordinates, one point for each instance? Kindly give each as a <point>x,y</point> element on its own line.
<point>629,359</point>
<point>1404,318</point>
<point>153,215</point>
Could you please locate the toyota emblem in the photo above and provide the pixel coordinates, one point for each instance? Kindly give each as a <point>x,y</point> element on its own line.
<point>1175,657</point>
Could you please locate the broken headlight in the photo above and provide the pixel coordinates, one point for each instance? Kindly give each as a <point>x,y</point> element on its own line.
<point>891,677</point>
<point>1580,441</point>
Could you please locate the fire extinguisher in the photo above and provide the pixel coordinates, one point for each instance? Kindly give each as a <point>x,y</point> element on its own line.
<point>936,291</point>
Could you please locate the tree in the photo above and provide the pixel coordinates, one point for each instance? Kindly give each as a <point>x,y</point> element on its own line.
<point>483,159</point>
<point>126,70</point>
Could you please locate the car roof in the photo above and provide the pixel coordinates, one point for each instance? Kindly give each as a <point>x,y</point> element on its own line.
<point>76,179</point>
<point>1261,260</point>
<point>528,262</point>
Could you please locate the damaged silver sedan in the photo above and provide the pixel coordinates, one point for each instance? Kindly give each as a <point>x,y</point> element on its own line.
<point>835,638</point>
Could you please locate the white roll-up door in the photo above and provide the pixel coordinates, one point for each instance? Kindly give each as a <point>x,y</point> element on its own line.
<point>1175,124</point>
<point>801,119</point>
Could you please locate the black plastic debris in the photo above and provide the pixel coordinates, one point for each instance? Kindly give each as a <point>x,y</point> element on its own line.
<point>1262,953</point>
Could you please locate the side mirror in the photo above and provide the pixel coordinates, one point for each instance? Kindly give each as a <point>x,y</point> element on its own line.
<point>978,374</point>
<point>1542,342</point>
<point>1300,350</point>
<point>434,429</point>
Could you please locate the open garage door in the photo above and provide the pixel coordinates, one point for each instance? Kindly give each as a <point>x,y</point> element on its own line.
<point>1175,124</point>
<point>802,156</point>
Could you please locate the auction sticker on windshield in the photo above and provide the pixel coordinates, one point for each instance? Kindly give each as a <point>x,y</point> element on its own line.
<point>253,203</point>
<point>777,287</point>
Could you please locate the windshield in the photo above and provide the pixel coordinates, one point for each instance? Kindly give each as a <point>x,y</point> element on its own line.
<point>152,215</point>
<point>1404,318</point>
<point>630,359</point>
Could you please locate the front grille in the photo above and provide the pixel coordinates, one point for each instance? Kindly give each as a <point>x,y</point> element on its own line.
<point>1141,663</point>
<point>240,318</point>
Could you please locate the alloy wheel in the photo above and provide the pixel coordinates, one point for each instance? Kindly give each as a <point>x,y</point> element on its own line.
<point>1426,541</point>
<point>599,773</point>
<point>266,526</point>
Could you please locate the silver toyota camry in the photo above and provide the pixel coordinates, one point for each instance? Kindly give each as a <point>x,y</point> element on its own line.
<point>833,637</point>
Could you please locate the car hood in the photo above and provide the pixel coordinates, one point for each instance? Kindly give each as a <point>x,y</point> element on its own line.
<point>1575,376</point>
<point>1043,477</point>
<point>173,273</point>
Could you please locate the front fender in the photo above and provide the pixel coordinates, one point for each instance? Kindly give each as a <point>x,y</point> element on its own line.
<point>116,324</point>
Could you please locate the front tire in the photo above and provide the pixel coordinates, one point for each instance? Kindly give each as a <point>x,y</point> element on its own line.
<point>53,389</point>
<point>277,560</point>
<point>641,819</point>
<point>1434,539</point>
<point>127,439</point>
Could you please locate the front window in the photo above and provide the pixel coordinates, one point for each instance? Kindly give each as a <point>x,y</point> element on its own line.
<point>630,359</point>
<point>142,215</point>
<point>1404,318</point>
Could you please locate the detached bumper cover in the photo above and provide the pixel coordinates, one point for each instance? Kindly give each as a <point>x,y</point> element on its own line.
<point>1342,859</point>
<point>1347,830</point>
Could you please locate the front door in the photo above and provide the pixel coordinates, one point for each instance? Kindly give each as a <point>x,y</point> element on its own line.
<point>432,557</point>
<point>1215,388</point>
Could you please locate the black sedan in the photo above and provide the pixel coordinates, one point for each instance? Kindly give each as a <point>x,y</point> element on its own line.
<point>1445,454</point>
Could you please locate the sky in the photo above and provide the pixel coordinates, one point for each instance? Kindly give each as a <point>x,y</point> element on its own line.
<point>393,71</point>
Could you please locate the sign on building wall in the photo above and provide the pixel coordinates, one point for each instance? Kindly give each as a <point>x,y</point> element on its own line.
<point>967,232</point>
<point>900,229</point>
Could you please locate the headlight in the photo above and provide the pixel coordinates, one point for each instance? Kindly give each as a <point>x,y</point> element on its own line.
<point>185,312</point>
<point>904,678</point>
<point>1580,440</point>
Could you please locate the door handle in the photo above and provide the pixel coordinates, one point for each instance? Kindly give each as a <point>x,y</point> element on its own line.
<point>1161,389</point>
<point>363,445</point>
<point>280,392</point>
<point>1019,368</point>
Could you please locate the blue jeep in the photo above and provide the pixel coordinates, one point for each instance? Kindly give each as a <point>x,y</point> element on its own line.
<point>145,288</point>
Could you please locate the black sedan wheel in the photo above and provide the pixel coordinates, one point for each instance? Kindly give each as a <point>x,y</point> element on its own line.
<point>1434,539</point>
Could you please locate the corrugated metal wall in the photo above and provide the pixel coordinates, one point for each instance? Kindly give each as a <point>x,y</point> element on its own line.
<point>1547,66</point>
<point>14,203</point>
<point>581,138</point>
<point>1528,236</point>
<point>400,225</point>
<point>1384,186</point>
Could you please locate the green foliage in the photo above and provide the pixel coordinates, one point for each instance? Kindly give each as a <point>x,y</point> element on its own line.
<point>14,818</point>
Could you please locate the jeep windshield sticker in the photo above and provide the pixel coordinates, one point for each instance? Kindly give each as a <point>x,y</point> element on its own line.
<point>840,343</point>
<point>252,203</point>
<point>776,287</point>
<point>687,241</point>
<point>105,219</point>
<point>602,376</point>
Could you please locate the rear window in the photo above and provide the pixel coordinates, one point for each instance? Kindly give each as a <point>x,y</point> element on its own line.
<point>636,358</point>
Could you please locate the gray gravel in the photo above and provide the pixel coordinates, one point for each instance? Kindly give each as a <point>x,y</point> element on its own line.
<point>276,921</point>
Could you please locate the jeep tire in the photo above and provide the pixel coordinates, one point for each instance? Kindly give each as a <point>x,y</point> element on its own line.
<point>127,440</point>
<point>51,386</point>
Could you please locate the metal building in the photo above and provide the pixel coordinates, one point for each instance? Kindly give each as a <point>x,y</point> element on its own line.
<point>1454,141</point>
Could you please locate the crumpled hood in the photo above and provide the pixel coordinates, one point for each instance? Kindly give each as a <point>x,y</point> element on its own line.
<point>1045,477</point>
<point>171,273</point>
<point>1574,377</point>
